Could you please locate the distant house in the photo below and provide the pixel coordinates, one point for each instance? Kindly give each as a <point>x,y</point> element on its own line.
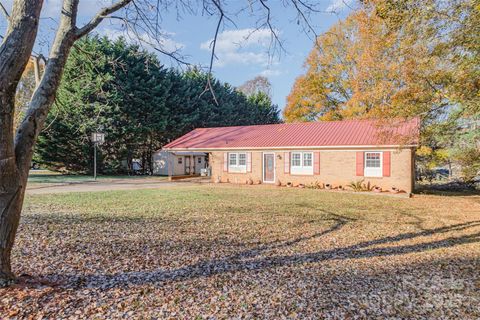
<point>335,153</point>
<point>178,163</point>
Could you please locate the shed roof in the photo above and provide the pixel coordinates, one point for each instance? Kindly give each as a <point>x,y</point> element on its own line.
<point>347,133</point>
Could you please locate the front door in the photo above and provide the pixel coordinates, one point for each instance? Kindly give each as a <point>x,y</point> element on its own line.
<point>187,165</point>
<point>269,167</point>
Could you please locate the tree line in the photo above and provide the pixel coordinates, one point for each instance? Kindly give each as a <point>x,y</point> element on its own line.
<point>117,88</point>
<point>390,59</point>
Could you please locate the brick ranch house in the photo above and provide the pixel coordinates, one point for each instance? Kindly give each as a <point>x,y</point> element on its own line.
<point>334,152</point>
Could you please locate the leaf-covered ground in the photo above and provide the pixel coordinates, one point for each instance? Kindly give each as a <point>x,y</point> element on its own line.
<point>245,252</point>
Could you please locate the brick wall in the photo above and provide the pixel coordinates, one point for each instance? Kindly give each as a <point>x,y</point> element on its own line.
<point>337,167</point>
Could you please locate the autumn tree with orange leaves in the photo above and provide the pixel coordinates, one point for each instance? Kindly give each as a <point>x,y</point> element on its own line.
<point>391,59</point>
<point>363,68</point>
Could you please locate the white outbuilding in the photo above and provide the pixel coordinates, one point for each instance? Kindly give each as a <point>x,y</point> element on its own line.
<point>178,163</point>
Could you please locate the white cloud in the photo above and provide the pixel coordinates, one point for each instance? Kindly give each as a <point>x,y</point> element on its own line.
<point>339,5</point>
<point>271,73</point>
<point>243,46</point>
<point>164,41</point>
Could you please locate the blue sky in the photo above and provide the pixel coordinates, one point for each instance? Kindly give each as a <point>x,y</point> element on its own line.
<point>240,57</point>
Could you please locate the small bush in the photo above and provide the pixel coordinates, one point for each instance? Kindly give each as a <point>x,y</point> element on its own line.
<point>314,185</point>
<point>360,186</point>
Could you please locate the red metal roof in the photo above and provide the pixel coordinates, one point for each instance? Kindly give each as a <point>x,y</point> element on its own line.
<point>308,134</point>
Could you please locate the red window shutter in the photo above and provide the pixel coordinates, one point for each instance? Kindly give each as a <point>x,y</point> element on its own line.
<point>249,162</point>
<point>287,162</point>
<point>225,161</point>
<point>316,162</point>
<point>360,164</point>
<point>386,163</point>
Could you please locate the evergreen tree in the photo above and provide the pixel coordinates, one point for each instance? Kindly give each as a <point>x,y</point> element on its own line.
<point>82,102</point>
<point>118,89</point>
<point>262,105</point>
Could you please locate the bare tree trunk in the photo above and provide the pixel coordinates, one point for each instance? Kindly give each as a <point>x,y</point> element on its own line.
<point>11,190</point>
<point>25,139</point>
<point>16,156</point>
<point>14,55</point>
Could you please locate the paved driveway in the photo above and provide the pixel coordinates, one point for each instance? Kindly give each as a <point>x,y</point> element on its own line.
<point>110,184</point>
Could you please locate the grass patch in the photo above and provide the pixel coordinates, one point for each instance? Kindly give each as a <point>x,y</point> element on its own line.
<point>224,251</point>
<point>211,200</point>
<point>248,203</point>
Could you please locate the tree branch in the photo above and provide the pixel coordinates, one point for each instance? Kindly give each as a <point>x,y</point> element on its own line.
<point>102,14</point>
<point>208,86</point>
<point>301,13</point>
<point>272,29</point>
<point>17,44</point>
<point>5,12</point>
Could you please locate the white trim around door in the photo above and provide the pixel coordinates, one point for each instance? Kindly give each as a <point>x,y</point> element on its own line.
<point>263,167</point>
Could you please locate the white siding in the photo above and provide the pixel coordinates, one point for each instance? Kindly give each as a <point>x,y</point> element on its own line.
<point>163,162</point>
<point>160,163</point>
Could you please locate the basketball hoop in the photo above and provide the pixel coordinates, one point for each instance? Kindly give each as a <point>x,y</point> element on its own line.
<point>98,138</point>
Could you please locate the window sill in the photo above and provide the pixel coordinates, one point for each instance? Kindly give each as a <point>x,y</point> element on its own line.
<point>237,170</point>
<point>302,171</point>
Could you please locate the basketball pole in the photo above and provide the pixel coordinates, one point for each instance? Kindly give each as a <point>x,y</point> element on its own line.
<point>95,161</point>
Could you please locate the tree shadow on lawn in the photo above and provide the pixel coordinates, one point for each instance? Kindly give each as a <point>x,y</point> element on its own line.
<point>339,220</point>
<point>249,261</point>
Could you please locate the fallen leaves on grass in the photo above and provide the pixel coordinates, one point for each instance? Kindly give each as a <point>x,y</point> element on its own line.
<point>234,252</point>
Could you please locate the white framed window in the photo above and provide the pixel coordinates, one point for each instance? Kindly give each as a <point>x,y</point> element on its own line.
<point>296,159</point>
<point>232,159</point>
<point>242,159</point>
<point>307,159</point>
<point>373,164</point>
<point>237,162</point>
<point>302,163</point>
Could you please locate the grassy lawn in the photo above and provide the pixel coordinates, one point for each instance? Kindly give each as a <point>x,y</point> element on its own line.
<point>222,251</point>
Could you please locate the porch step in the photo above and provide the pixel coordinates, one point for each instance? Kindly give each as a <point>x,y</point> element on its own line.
<point>173,178</point>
